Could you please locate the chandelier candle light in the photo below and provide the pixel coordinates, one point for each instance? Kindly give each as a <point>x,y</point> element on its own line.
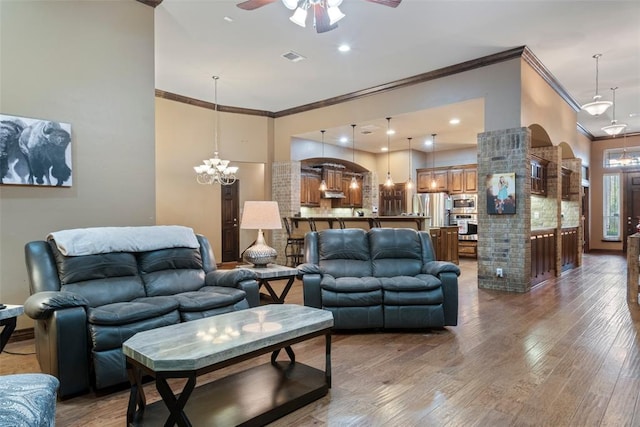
<point>596,107</point>
<point>216,170</point>
<point>260,215</point>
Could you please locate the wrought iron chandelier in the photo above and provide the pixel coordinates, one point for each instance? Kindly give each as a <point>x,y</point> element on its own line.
<point>216,170</point>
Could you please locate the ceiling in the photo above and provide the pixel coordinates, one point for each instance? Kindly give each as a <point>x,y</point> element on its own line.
<point>194,41</point>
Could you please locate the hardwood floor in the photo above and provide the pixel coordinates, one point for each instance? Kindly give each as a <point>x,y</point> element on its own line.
<point>565,354</point>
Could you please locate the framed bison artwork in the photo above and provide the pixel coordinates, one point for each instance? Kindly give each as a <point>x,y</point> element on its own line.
<point>35,152</point>
<point>501,194</point>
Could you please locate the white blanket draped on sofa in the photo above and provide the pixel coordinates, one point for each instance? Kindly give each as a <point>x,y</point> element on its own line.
<point>99,240</point>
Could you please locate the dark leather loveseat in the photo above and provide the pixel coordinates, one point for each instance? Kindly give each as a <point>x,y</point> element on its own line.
<point>86,306</point>
<point>381,278</point>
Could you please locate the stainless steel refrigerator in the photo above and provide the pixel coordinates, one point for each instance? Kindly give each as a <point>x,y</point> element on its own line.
<point>434,206</point>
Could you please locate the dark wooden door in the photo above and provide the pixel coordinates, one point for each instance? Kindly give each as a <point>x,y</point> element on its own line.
<point>631,212</point>
<point>230,222</point>
<point>585,219</point>
<point>392,200</point>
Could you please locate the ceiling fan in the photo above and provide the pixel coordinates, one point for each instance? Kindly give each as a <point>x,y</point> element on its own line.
<point>326,13</point>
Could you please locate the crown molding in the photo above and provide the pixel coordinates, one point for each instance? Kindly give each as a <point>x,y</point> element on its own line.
<point>211,105</point>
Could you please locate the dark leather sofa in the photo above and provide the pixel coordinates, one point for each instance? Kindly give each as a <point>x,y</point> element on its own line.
<point>381,278</point>
<point>86,306</point>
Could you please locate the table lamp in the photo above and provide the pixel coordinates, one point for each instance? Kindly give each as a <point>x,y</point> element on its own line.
<point>260,216</point>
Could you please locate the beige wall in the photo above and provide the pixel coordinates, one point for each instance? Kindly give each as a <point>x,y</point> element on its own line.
<point>185,136</point>
<point>498,84</point>
<point>89,67</point>
<point>596,172</point>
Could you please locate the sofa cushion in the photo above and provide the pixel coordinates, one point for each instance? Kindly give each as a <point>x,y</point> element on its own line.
<point>209,297</point>
<point>108,291</point>
<point>171,282</point>
<point>123,313</point>
<point>169,259</point>
<point>350,284</point>
<point>344,252</point>
<point>420,282</point>
<point>395,252</point>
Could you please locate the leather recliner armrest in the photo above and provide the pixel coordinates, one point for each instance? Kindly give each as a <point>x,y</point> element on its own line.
<point>41,305</point>
<point>436,267</point>
<point>308,268</point>
<point>229,278</point>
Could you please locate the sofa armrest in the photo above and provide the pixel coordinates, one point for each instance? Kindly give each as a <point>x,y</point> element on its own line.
<point>450,297</point>
<point>41,305</point>
<point>229,278</point>
<point>308,268</point>
<point>435,268</point>
<point>252,290</point>
<point>311,290</point>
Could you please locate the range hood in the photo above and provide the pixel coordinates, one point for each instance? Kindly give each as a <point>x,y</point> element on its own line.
<point>330,194</point>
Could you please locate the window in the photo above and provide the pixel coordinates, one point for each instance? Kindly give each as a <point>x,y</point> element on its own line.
<point>617,157</point>
<point>611,207</point>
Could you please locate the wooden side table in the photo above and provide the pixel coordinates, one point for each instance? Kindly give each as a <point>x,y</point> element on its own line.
<point>8,318</point>
<point>274,272</point>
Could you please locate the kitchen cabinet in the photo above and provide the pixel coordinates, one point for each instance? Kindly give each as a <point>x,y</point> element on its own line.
<point>468,248</point>
<point>425,177</point>
<point>462,181</point>
<point>445,243</point>
<point>333,179</point>
<point>353,197</point>
<point>539,176</point>
<point>309,189</point>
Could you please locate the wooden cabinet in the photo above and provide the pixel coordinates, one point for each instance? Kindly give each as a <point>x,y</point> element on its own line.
<point>462,181</point>
<point>353,197</point>
<point>468,249</point>
<point>445,243</point>
<point>539,176</point>
<point>333,178</point>
<point>309,189</point>
<point>425,178</point>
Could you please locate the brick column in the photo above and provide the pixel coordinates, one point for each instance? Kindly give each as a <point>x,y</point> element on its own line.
<point>504,240</point>
<point>285,189</point>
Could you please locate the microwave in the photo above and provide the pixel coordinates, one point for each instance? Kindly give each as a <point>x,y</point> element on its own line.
<point>464,203</point>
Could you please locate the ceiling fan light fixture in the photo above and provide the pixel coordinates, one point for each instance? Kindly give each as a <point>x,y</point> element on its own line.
<point>335,14</point>
<point>299,17</point>
<point>290,4</point>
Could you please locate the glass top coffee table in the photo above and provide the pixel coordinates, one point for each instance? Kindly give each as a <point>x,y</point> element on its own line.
<point>256,396</point>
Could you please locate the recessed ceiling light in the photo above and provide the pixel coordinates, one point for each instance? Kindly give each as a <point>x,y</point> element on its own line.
<point>384,149</point>
<point>344,139</point>
<point>391,132</point>
<point>454,121</point>
<point>344,48</point>
<point>428,142</point>
<point>228,19</point>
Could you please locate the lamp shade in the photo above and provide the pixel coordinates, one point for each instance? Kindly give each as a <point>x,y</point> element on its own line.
<point>261,215</point>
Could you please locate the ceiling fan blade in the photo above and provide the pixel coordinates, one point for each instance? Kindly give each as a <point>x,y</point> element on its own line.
<point>390,3</point>
<point>253,4</point>
<point>322,19</point>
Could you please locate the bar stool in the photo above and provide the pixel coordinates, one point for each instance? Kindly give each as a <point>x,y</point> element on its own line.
<point>295,245</point>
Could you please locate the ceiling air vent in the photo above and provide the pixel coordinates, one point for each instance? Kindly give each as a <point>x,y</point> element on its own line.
<point>368,129</point>
<point>293,56</point>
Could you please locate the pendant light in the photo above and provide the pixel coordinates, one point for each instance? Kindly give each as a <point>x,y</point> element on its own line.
<point>434,184</point>
<point>323,184</point>
<point>354,182</point>
<point>614,128</point>
<point>389,181</point>
<point>624,160</point>
<point>409,184</point>
<point>596,107</point>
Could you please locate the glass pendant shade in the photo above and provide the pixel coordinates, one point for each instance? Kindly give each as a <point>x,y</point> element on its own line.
<point>323,184</point>
<point>354,182</point>
<point>389,181</point>
<point>409,183</point>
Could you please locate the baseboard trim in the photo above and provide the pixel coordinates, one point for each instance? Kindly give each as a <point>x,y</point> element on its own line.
<point>22,335</point>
